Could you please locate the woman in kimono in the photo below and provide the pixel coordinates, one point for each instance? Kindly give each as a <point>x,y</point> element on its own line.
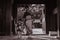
<point>29,24</point>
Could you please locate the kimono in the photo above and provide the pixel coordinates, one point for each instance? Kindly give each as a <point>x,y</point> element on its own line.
<point>29,26</point>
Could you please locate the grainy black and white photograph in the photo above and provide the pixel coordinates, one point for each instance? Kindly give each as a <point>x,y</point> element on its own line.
<point>30,21</point>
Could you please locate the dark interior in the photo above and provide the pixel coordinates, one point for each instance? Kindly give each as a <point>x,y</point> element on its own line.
<point>5,12</point>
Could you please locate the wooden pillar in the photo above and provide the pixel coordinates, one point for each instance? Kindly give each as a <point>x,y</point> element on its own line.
<point>1,18</point>
<point>58,17</point>
<point>8,16</point>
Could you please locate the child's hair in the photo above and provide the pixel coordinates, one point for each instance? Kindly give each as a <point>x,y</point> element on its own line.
<point>28,17</point>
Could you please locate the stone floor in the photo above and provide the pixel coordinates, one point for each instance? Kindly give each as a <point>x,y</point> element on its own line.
<point>39,37</point>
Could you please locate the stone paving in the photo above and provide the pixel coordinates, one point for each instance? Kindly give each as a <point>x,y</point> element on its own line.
<point>25,38</point>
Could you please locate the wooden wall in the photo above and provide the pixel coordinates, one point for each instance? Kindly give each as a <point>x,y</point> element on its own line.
<point>5,23</point>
